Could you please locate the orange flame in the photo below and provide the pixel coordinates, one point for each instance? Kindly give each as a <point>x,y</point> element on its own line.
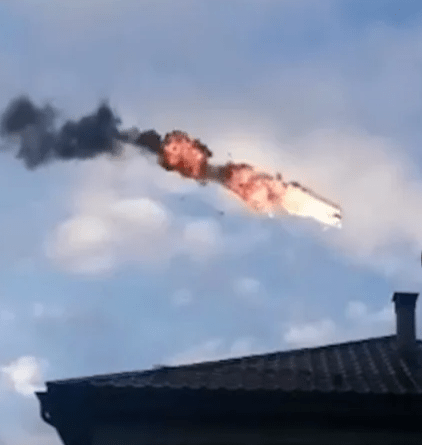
<point>260,191</point>
<point>187,156</point>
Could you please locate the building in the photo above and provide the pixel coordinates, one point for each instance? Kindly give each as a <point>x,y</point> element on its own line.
<point>360,392</point>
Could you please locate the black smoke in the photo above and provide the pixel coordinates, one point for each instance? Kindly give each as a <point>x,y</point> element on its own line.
<point>40,141</point>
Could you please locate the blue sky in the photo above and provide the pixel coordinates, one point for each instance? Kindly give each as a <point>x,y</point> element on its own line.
<point>117,265</point>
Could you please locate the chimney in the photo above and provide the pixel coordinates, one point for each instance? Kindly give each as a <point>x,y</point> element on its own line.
<point>405,303</point>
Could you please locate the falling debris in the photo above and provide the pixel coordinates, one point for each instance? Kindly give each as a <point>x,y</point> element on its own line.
<point>41,142</point>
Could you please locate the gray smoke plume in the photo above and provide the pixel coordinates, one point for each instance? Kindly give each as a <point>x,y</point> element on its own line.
<point>92,135</point>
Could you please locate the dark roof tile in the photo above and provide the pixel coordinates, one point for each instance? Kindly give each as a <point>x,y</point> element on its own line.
<point>387,372</point>
<point>366,366</point>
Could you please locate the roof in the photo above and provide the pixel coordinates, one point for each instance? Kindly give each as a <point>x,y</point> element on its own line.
<point>371,366</point>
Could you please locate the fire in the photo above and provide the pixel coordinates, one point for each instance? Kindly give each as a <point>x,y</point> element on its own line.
<point>260,191</point>
<point>187,156</point>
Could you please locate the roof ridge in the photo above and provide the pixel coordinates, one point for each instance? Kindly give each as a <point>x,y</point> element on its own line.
<point>284,352</point>
<point>231,360</point>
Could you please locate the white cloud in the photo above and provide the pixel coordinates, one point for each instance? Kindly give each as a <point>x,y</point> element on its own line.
<point>142,212</point>
<point>81,244</point>
<point>182,297</point>
<point>24,375</point>
<point>247,286</point>
<point>206,351</point>
<point>83,233</point>
<point>309,334</point>
<point>106,227</point>
<point>299,334</point>
<point>363,323</point>
<point>117,215</point>
<point>359,312</point>
<point>249,290</point>
<point>216,349</point>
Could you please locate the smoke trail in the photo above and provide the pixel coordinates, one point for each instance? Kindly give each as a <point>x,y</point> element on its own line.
<point>88,137</point>
<point>97,133</point>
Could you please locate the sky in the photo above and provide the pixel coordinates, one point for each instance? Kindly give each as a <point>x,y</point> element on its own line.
<point>114,264</point>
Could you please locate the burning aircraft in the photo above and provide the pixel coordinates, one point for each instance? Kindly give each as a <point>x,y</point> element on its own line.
<point>260,191</point>
<point>303,202</point>
<point>40,142</point>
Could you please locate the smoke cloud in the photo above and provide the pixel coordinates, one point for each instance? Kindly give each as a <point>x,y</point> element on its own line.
<point>40,141</point>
